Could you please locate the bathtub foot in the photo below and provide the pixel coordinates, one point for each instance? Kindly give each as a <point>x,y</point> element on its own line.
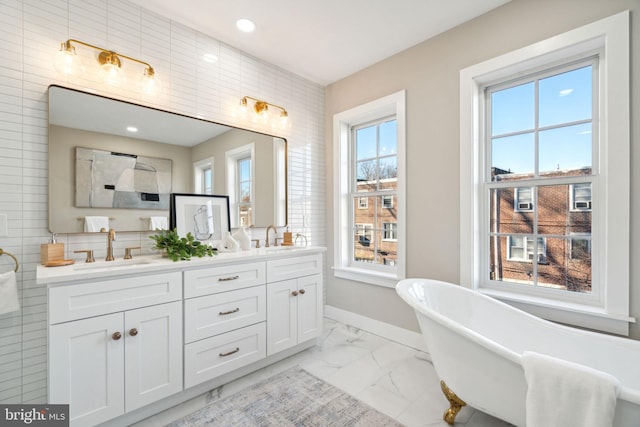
<point>455,404</point>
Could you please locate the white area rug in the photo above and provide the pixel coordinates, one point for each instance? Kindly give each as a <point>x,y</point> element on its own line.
<point>291,398</point>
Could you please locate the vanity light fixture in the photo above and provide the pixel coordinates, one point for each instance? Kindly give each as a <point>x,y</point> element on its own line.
<point>261,110</point>
<point>67,61</point>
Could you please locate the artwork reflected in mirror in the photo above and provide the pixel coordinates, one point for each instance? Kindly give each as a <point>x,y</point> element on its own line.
<point>111,179</point>
<point>205,158</point>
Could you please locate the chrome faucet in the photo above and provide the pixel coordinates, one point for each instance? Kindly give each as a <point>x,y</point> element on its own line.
<point>111,236</point>
<point>266,240</point>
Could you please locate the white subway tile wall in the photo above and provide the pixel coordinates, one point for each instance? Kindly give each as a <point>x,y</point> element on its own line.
<point>32,31</point>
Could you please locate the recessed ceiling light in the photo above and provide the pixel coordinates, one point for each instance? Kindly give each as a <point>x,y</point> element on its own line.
<point>245,25</point>
<point>132,129</point>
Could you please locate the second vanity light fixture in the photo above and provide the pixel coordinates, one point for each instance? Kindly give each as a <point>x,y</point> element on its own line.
<point>67,61</point>
<point>261,110</point>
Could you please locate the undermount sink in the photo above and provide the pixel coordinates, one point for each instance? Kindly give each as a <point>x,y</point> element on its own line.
<point>112,264</point>
<point>281,248</point>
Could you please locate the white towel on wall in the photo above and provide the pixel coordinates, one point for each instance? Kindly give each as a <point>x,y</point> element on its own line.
<point>562,393</point>
<point>93,224</point>
<point>158,223</point>
<point>8,293</point>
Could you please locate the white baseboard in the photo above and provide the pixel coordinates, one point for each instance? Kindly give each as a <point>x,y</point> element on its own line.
<point>385,330</point>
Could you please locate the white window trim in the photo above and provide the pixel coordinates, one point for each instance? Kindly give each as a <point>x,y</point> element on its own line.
<point>612,35</point>
<point>393,104</point>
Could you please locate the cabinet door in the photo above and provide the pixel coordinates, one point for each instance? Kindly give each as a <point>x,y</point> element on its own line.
<point>85,368</point>
<point>153,353</point>
<point>309,301</point>
<point>282,325</point>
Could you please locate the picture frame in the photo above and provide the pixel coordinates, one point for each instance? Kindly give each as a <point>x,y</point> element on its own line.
<point>205,216</point>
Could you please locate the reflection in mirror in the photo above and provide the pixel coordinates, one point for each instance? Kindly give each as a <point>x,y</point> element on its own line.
<point>204,158</point>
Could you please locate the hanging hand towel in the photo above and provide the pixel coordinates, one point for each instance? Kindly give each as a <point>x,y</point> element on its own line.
<point>94,224</point>
<point>8,293</point>
<point>158,223</point>
<point>562,393</point>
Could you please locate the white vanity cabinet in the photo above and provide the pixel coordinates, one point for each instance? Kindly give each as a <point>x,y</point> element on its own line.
<point>105,361</point>
<point>128,341</point>
<point>294,301</point>
<point>225,313</point>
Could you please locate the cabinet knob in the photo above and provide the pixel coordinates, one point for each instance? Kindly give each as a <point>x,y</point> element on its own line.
<point>302,291</point>
<point>294,293</point>
<point>116,336</point>
<point>133,332</point>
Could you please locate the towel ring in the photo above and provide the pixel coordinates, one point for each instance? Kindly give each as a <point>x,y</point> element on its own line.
<point>2,252</point>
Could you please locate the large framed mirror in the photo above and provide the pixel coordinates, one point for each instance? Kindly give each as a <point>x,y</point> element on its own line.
<point>119,160</point>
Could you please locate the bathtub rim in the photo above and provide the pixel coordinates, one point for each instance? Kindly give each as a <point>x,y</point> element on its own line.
<point>626,393</point>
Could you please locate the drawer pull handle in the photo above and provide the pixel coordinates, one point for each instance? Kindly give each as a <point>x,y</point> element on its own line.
<point>226,279</point>
<point>294,293</point>
<point>230,353</point>
<point>302,291</point>
<point>224,313</point>
<point>116,336</point>
<point>133,332</point>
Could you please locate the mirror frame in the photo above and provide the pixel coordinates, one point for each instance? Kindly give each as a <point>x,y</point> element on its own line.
<point>131,215</point>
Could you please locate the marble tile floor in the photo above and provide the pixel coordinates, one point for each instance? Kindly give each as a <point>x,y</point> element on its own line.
<point>395,379</point>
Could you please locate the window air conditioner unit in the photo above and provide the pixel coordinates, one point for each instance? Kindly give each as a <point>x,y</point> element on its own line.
<point>524,206</point>
<point>583,205</point>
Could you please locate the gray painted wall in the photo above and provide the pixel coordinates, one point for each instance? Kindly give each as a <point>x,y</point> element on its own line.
<point>430,74</point>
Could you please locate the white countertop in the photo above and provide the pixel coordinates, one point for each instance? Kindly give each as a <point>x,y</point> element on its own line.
<point>81,271</point>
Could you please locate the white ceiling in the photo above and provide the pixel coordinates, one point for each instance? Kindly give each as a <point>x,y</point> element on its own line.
<point>322,40</point>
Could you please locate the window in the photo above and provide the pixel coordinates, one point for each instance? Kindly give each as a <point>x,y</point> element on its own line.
<point>539,131</point>
<point>203,176</point>
<point>581,197</point>
<point>523,199</point>
<point>389,231</point>
<point>240,184</point>
<point>245,186</point>
<point>545,134</point>
<point>580,249</point>
<point>369,227</point>
<point>387,202</point>
<point>523,248</point>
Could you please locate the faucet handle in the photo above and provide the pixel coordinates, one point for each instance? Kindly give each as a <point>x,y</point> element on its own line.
<point>257,242</point>
<point>89,253</point>
<point>278,238</point>
<point>127,252</point>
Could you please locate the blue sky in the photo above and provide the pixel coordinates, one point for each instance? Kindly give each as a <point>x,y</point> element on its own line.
<point>564,98</point>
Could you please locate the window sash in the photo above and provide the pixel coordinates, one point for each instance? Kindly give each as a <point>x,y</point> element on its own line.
<point>522,248</point>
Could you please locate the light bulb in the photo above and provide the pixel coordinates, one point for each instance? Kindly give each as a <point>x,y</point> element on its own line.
<point>66,61</point>
<point>284,122</point>
<point>110,68</point>
<point>150,83</point>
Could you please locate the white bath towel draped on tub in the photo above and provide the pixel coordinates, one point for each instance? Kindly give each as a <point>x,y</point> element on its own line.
<point>561,393</point>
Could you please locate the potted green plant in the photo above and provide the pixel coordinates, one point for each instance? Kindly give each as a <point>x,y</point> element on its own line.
<point>181,248</point>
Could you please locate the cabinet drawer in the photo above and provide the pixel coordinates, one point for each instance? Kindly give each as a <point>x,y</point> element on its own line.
<point>212,357</point>
<point>290,268</point>
<point>207,281</point>
<point>218,313</point>
<point>82,300</point>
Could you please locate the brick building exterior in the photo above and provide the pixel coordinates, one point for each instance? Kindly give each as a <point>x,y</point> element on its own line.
<point>563,251</point>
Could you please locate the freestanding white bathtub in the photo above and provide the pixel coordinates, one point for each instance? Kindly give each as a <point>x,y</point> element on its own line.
<point>476,345</point>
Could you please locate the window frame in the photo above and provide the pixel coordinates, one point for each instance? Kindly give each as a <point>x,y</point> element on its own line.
<point>610,36</point>
<point>390,105</point>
